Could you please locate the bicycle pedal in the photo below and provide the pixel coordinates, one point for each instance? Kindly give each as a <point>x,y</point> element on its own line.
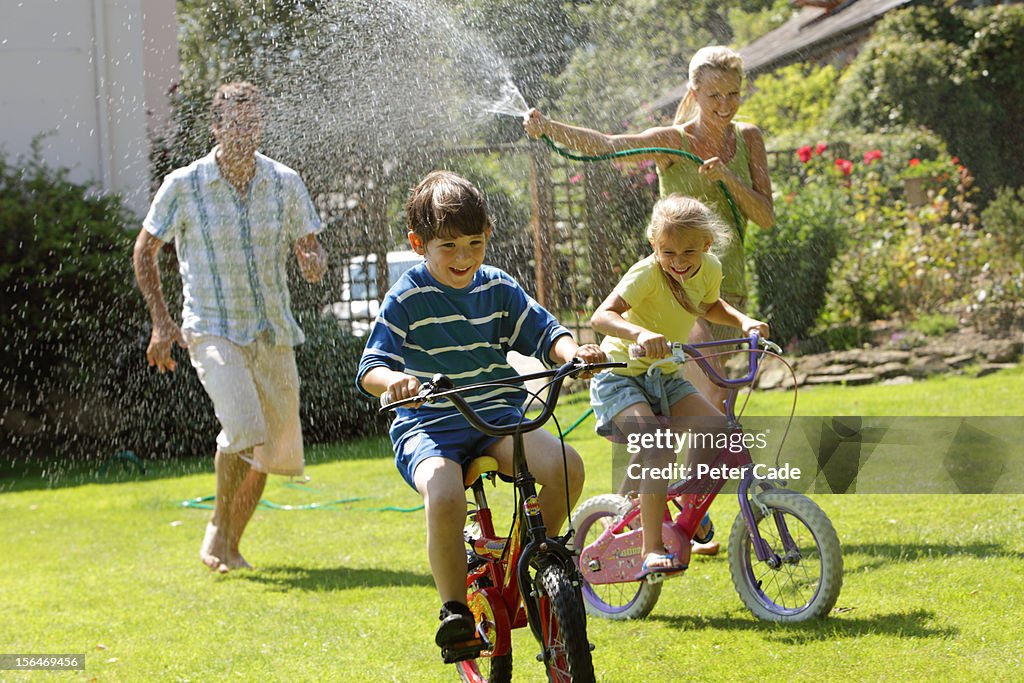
<point>458,652</point>
<point>659,577</point>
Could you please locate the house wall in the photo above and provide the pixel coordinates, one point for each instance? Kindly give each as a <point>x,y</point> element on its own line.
<point>92,77</point>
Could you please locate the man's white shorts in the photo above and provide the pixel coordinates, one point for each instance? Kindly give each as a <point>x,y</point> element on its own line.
<point>255,394</point>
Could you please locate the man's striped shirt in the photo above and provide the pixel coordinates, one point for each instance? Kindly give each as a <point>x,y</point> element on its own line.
<point>233,250</point>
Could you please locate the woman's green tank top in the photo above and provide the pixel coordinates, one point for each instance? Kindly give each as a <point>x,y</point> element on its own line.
<point>682,178</point>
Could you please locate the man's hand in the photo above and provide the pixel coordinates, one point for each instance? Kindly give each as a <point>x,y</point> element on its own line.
<point>158,353</point>
<point>312,260</point>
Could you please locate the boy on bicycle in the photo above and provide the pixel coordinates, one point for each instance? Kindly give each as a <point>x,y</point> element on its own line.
<point>454,315</point>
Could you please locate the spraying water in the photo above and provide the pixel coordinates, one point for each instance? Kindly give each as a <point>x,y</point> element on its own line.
<point>389,79</point>
<point>510,103</point>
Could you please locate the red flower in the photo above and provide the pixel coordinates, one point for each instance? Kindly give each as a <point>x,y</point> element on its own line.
<point>844,165</point>
<point>872,155</point>
<point>820,148</point>
<point>804,153</point>
<point>576,178</point>
<point>956,161</point>
<point>914,162</point>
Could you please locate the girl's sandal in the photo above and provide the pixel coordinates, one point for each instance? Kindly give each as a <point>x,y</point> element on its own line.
<point>655,574</point>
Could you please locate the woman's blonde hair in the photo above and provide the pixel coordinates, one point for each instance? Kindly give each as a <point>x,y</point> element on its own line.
<point>711,58</point>
<point>680,213</point>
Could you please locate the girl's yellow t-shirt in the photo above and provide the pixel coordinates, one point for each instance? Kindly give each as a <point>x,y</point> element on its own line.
<point>655,308</point>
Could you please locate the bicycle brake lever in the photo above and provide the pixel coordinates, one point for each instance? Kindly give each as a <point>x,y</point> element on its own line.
<point>771,346</point>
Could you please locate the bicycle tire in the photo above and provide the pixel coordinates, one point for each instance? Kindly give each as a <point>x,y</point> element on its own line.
<point>563,627</point>
<point>797,591</point>
<point>615,601</point>
<point>486,669</point>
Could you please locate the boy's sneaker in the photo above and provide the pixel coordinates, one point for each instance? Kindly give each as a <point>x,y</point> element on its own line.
<point>457,636</point>
<point>457,625</point>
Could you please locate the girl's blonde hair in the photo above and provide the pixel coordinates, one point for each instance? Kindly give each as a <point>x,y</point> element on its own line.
<point>677,212</point>
<point>711,58</point>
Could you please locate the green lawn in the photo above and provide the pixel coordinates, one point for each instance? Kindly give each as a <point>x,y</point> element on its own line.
<point>933,587</point>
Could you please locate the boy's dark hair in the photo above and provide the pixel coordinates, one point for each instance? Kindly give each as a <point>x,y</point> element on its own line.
<point>444,204</point>
<point>230,93</point>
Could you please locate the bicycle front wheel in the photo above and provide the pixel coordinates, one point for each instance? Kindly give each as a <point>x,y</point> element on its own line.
<point>618,601</point>
<point>486,669</point>
<point>809,576</point>
<point>563,625</point>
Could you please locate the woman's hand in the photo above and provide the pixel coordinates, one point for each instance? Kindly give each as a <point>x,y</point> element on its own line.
<point>534,123</point>
<point>714,169</point>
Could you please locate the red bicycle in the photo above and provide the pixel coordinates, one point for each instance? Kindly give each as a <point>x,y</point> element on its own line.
<point>525,578</point>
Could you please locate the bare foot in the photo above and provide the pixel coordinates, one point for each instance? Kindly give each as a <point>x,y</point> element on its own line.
<point>710,548</point>
<point>213,549</point>
<point>236,561</point>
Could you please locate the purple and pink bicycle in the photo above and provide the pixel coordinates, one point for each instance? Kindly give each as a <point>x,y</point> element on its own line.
<point>784,554</point>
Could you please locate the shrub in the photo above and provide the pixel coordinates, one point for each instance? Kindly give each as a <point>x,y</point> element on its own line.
<point>332,408</point>
<point>66,279</point>
<point>953,70</point>
<point>792,100</point>
<point>1004,218</point>
<point>793,260</point>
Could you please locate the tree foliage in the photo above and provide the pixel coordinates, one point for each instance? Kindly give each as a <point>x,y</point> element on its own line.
<point>954,70</point>
<point>791,102</point>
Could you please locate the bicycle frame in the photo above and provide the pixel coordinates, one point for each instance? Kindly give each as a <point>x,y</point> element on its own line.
<point>506,603</point>
<point>525,541</point>
<point>612,557</point>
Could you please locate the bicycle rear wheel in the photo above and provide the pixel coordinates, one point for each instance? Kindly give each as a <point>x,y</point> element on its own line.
<point>807,581</point>
<point>486,669</point>
<point>617,601</point>
<point>563,625</point>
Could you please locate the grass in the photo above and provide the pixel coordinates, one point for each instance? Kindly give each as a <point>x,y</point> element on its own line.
<point>932,583</point>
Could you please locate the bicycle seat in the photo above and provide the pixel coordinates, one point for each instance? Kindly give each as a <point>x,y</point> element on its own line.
<point>479,467</point>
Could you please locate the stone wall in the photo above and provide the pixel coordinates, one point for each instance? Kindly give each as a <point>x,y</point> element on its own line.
<point>893,363</point>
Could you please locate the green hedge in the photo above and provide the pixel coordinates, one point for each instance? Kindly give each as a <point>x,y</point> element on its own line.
<point>73,366</point>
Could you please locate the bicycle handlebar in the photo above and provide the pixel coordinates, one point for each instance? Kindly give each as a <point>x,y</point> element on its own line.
<point>441,387</point>
<point>680,353</point>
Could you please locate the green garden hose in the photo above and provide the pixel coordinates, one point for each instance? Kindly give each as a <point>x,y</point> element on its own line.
<point>651,150</point>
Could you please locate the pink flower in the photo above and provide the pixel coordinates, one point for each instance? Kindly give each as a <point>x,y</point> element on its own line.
<point>872,155</point>
<point>844,165</point>
<point>820,148</point>
<point>651,177</point>
<point>804,153</point>
<point>914,162</point>
<point>576,178</point>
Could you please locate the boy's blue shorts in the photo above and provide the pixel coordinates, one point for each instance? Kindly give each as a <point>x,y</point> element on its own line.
<point>453,438</point>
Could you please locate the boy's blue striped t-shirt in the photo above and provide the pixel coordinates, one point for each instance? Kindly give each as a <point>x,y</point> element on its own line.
<point>425,327</point>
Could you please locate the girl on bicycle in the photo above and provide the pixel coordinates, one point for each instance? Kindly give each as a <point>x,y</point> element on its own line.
<point>733,153</point>
<point>657,302</point>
